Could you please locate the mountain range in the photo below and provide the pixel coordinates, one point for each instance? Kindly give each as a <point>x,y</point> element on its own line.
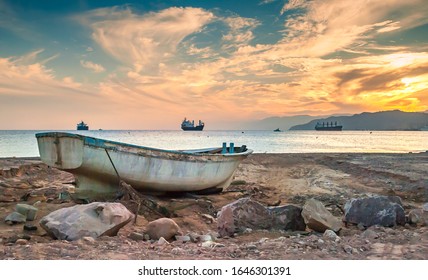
<point>386,120</point>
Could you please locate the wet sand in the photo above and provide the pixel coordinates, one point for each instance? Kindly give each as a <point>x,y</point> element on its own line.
<point>272,179</point>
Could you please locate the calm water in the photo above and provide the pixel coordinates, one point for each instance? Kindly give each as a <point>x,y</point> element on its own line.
<point>22,143</point>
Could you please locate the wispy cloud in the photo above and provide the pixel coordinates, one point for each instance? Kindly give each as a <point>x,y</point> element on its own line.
<point>143,41</point>
<point>97,68</point>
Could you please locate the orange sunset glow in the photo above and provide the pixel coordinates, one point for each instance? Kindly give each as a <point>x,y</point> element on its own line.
<point>140,66</point>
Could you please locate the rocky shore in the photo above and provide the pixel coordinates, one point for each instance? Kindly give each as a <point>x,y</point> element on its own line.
<point>279,206</point>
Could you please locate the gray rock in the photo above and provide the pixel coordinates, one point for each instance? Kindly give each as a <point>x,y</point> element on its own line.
<point>331,235</point>
<point>418,217</point>
<point>182,238</point>
<point>15,218</point>
<point>370,234</point>
<point>162,241</point>
<point>163,227</point>
<point>287,217</point>
<point>241,214</point>
<point>29,227</point>
<point>136,236</point>
<point>94,219</point>
<point>318,218</point>
<point>27,210</point>
<point>425,207</point>
<point>378,210</point>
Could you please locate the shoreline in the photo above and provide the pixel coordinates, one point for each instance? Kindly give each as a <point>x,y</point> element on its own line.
<point>268,178</point>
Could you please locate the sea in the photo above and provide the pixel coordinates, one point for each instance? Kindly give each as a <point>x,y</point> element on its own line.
<point>23,143</point>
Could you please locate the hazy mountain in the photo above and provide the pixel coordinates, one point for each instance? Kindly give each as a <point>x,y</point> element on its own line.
<point>387,120</point>
<point>283,123</point>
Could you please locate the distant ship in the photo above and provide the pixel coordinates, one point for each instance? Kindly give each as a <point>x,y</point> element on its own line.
<point>277,130</point>
<point>326,126</point>
<point>82,126</point>
<point>190,125</point>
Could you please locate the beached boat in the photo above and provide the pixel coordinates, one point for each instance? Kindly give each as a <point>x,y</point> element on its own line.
<point>97,163</point>
<point>190,125</point>
<point>82,126</point>
<point>328,126</point>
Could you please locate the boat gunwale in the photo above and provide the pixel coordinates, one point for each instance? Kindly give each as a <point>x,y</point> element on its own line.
<point>95,143</point>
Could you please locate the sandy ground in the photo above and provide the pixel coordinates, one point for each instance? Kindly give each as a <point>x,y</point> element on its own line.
<point>272,179</point>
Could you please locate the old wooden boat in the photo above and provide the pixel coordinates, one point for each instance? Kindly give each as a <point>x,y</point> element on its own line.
<point>98,164</point>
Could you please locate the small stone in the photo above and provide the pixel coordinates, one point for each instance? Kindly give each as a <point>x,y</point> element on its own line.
<point>370,234</point>
<point>136,236</point>
<point>15,217</point>
<point>320,242</point>
<point>182,238</point>
<point>29,227</point>
<point>263,240</point>
<point>162,241</point>
<point>163,227</point>
<point>248,230</point>
<point>146,237</point>
<point>208,218</point>
<point>89,239</point>
<point>361,226</point>
<point>204,238</point>
<point>348,249</point>
<point>425,207</point>
<point>331,235</point>
<point>251,247</point>
<point>21,242</point>
<point>177,251</point>
<point>30,212</point>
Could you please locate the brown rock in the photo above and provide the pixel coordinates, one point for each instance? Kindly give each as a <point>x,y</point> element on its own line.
<point>418,217</point>
<point>21,242</point>
<point>318,218</point>
<point>163,227</point>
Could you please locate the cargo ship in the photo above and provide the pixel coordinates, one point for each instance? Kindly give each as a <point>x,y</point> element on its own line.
<point>82,126</point>
<point>190,125</point>
<point>328,126</point>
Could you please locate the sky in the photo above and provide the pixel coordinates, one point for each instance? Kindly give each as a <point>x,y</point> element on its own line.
<point>148,64</point>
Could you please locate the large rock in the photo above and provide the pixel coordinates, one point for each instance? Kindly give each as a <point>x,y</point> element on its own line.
<point>386,211</point>
<point>318,218</point>
<point>94,219</point>
<point>162,227</point>
<point>241,214</point>
<point>287,217</point>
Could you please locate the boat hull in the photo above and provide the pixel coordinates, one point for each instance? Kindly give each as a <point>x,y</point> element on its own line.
<point>334,128</point>
<point>93,162</point>
<point>195,128</point>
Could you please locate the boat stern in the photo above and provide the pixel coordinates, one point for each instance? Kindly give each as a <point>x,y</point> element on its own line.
<point>61,150</point>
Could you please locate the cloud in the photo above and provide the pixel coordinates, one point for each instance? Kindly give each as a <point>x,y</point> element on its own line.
<point>143,41</point>
<point>97,68</point>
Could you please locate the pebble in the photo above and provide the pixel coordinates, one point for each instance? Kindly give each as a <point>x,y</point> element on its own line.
<point>162,241</point>
<point>331,235</point>
<point>177,251</point>
<point>182,238</point>
<point>89,239</point>
<point>136,236</point>
<point>21,242</point>
<point>348,249</point>
<point>263,240</point>
<point>370,234</point>
<point>251,247</point>
<point>29,227</point>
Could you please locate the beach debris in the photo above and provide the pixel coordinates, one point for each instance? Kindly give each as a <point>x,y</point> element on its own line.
<point>287,217</point>
<point>30,212</point>
<point>386,211</point>
<point>318,218</point>
<point>418,217</point>
<point>94,219</point>
<point>163,227</point>
<point>15,218</point>
<point>241,214</point>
